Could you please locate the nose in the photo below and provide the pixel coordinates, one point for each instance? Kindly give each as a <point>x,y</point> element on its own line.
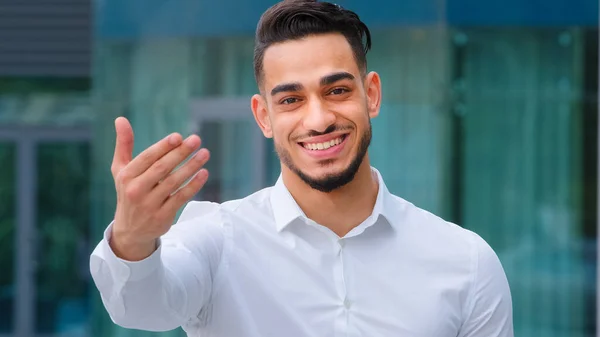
<point>318,118</point>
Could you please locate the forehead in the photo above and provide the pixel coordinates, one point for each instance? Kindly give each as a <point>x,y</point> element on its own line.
<point>308,59</point>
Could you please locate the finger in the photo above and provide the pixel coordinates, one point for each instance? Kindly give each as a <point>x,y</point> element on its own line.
<point>161,168</point>
<point>175,180</point>
<point>178,199</point>
<point>142,162</point>
<point>123,145</point>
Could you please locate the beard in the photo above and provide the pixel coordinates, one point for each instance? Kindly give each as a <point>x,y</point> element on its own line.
<point>329,182</point>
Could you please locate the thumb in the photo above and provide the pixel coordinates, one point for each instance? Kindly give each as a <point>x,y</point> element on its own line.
<point>124,143</point>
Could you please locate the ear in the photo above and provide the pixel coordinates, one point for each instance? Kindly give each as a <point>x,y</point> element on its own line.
<point>261,115</point>
<point>373,92</point>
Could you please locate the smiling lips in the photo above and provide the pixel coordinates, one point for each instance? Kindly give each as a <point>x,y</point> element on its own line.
<point>323,145</point>
<point>323,149</point>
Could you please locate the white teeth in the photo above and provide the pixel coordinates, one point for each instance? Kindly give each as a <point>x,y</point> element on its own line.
<point>323,146</point>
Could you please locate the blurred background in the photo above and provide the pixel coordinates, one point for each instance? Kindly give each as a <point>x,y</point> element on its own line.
<point>490,120</point>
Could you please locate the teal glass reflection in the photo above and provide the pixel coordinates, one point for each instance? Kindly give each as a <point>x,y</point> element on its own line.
<point>520,147</point>
<point>232,155</point>
<point>63,203</point>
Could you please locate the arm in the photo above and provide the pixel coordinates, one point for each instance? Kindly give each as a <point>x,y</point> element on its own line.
<point>152,275</point>
<point>489,305</point>
<point>154,294</point>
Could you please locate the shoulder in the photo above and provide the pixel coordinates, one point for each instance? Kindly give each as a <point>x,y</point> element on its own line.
<point>432,227</point>
<point>455,251</point>
<point>442,239</point>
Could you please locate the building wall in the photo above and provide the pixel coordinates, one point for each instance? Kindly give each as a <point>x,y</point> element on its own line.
<point>45,38</point>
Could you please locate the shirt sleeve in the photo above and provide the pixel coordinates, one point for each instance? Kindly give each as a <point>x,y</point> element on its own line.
<point>489,305</point>
<point>169,288</point>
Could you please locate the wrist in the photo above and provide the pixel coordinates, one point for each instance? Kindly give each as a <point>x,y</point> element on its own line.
<point>125,248</point>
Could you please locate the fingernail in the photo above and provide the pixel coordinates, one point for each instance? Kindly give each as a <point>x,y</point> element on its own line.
<point>191,142</point>
<point>201,173</point>
<point>201,155</point>
<point>173,140</point>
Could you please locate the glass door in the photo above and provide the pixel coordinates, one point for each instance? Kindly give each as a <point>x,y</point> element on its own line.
<point>44,230</point>
<point>62,233</point>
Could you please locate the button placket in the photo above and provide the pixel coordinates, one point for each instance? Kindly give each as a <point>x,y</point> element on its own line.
<point>341,321</point>
<point>342,244</point>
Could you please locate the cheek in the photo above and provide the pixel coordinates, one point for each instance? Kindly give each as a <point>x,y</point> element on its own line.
<point>352,109</point>
<point>281,136</point>
<point>283,128</point>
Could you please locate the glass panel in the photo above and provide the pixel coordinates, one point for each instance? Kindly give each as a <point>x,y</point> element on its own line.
<point>45,108</point>
<point>522,137</point>
<point>148,82</point>
<point>8,178</point>
<point>410,135</point>
<point>63,231</point>
<point>45,100</point>
<point>231,164</point>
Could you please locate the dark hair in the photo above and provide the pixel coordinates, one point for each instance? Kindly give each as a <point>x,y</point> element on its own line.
<point>296,19</point>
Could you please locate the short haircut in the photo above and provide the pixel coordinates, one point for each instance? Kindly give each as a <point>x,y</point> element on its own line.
<point>296,19</point>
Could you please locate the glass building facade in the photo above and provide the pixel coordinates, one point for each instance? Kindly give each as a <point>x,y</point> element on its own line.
<point>489,119</point>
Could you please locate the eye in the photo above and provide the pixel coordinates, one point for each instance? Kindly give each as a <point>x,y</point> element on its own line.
<point>288,101</point>
<point>339,91</point>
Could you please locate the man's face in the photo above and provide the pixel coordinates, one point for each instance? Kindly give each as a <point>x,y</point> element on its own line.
<point>317,107</point>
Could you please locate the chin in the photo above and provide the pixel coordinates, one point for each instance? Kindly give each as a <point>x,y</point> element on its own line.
<point>321,174</point>
<point>328,178</point>
<point>327,167</point>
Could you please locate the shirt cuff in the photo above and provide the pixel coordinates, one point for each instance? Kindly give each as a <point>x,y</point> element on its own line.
<point>129,270</point>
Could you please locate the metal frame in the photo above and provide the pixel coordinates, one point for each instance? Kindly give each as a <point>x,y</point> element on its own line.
<point>231,109</point>
<point>26,138</point>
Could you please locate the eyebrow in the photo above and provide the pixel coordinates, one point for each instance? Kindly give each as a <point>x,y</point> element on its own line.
<point>335,77</point>
<point>286,87</point>
<point>326,80</point>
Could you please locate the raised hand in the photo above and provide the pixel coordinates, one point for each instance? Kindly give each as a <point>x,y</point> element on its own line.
<point>149,189</point>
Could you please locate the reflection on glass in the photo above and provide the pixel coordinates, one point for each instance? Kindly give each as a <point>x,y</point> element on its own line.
<point>62,232</point>
<point>8,179</point>
<point>232,154</point>
<point>523,185</point>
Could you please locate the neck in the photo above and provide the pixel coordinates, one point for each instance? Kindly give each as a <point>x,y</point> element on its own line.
<point>339,210</point>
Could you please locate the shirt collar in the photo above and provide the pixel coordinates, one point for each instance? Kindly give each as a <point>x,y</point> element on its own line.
<point>286,210</point>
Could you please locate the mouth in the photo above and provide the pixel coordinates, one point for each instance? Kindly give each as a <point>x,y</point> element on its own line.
<point>326,149</point>
<point>322,146</point>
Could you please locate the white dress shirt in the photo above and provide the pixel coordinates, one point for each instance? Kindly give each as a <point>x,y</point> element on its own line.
<point>258,267</point>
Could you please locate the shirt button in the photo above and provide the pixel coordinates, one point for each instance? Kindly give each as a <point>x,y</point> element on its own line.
<point>347,303</point>
<point>342,243</point>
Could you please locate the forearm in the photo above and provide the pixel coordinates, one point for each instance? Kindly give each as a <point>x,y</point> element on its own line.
<point>154,303</point>
<point>150,294</point>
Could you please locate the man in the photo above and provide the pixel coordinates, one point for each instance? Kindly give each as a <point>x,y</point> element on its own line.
<point>327,251</point>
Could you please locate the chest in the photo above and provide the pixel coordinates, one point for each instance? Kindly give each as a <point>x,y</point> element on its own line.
<point>324,287</point>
